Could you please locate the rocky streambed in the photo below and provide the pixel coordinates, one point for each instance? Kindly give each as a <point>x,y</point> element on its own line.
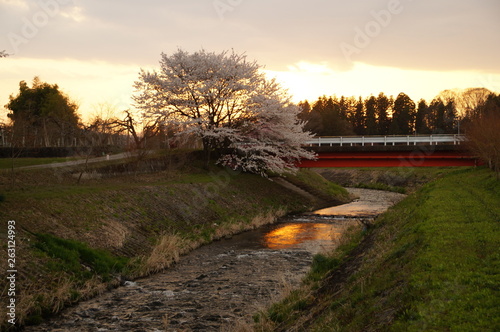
<point>223,284</point>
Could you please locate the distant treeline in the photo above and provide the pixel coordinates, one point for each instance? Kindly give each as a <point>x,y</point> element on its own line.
<point>448,113</point>
<point>43,122</point>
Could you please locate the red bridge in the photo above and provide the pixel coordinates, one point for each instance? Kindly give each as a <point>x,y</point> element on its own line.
<point>390,151</point>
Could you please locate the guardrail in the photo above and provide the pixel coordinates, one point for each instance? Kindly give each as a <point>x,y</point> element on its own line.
<point>386,140</point>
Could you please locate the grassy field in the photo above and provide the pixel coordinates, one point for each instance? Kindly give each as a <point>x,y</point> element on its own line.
<point>431,263</point>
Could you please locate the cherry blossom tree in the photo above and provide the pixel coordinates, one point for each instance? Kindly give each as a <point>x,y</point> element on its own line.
<point>230,105</point>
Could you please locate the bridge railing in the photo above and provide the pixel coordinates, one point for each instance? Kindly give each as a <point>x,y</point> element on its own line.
<point>387,140</point>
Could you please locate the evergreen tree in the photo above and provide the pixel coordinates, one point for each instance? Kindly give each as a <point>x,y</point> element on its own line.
<point>450,115</point>
<point>422,120</point>
<point>316,122</point>
<point>403,115</point>
<point>359,118</point>
<point>370,116</point>
<point>330,118</point>
<point>327,119</point>
<point>345,105</point>
<point>383,106</point>
<point>305,110</point>
<point>42,115</point>
<point>341,126</point>
<point>437,110</point>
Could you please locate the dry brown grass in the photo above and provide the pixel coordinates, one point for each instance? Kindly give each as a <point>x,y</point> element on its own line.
<point>170,247</point>
<point>166,252</point>
<point>268,217</point>
<point>232,228</point>
<point>115,232</point>
<point>240,325</point>
<point>25,304</point>
<point>94,287</point>
<point>33,297</point>
<point>61,295</point>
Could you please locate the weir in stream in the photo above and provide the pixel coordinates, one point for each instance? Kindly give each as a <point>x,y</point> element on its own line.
<point>224,282</point>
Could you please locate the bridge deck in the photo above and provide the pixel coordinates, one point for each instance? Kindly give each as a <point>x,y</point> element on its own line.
<point>390,159</point>
<point>389,151</point>
<point>386,140</point>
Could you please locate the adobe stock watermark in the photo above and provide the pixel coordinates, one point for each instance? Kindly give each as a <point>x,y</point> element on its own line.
<point>31,26</point>
<point>224,6</point>
<point>363,36</point>
<point>11,272</point>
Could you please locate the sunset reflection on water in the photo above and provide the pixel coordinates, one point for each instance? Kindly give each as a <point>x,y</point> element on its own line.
<point>298,235</point>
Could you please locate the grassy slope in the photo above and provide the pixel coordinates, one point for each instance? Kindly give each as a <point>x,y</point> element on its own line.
<point>75,240</point>
<point>430,264</point>
<point>397,179</point>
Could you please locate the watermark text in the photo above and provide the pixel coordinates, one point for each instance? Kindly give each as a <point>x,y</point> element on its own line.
<point>11,272</point>
<point>31,26</point>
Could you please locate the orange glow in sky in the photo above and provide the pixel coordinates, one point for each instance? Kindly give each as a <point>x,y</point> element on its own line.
<point>94,50</point>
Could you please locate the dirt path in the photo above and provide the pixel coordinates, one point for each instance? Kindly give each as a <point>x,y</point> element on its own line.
<point>82,161</point>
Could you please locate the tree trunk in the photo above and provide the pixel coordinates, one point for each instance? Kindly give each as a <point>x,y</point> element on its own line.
<point>45,134</point>
<point>207,151</point>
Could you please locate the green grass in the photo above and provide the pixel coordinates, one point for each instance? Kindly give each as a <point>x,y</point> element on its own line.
<point>420,172</point>
<point>314,180</point>
<point>70,256</point>
<point>7,163</point>
<point>453,279</point>
<point>194,178</point>
<point>431,263</point>
<point>45,183</point>
<point>381,186</point>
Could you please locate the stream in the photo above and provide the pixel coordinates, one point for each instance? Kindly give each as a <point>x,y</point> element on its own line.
<point>224,283</point>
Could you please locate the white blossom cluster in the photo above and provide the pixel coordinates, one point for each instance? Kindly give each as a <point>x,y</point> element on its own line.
<point>227,102</point>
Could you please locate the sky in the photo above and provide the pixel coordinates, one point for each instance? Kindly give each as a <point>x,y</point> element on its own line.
<point>94,49</point>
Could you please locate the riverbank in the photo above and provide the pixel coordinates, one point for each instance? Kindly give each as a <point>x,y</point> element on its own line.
<point>77,236</point>
<point>430,263</point>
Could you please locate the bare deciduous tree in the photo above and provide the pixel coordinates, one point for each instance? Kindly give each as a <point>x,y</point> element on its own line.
<point>466,101</point>
<point>141,130</point>
<point>483,134</point>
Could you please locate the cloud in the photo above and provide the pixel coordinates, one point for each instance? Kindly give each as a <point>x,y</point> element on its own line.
<point>89,83</point>
<point>15,4</point>
<point>439,35</point>
<point>302,37</point>
<point>425,34</point>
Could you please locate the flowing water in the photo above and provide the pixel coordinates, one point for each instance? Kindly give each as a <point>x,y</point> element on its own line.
<point>225,282</point>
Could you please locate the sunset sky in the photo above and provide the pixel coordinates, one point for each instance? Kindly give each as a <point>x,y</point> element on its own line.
<point>94,49</point>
